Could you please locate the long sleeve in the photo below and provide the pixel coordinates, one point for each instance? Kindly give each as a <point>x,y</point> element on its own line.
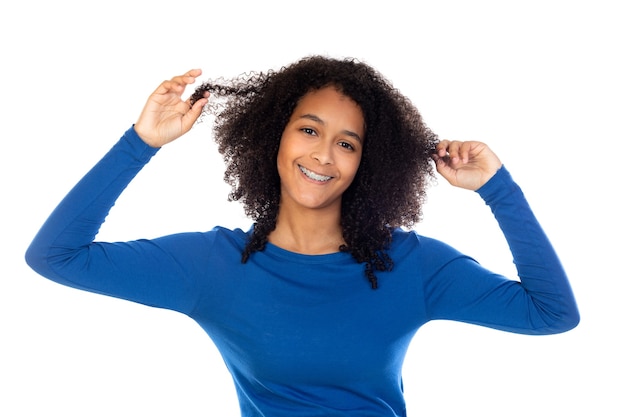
<point>145,271</point>
<point>541,302</point>
<point>537,263</point>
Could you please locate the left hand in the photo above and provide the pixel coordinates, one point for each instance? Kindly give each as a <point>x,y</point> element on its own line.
<point>466,165</point>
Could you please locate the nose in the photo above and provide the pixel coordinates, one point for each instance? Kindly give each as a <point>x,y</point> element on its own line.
<point>323,152</point>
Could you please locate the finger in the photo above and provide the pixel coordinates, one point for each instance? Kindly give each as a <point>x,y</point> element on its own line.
<point>441,149</point>
<point>178,83</point>
<point>443,167</point>
<point>190,117</point>
<point>465,151</point>
<point>194,73</point>
<point>453,151</point>
<point>169,87</point>
<point>474,150</point>
<point>187,78</point>
<point>191,101</point>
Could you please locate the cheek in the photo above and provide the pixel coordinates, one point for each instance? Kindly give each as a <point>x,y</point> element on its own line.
<point>284,163</point>
<point>357,163</point>
<point>352,169</point>
<point>281,156</point>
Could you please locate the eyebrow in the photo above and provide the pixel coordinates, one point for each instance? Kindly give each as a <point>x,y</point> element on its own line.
<point>320,121</point>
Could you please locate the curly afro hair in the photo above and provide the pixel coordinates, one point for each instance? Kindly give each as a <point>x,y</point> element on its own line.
<point>389,188</point>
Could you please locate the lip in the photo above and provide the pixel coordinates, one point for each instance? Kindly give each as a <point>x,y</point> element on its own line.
<point>314,176</point>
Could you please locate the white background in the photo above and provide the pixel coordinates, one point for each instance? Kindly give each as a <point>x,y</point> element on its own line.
<point>542,82</point>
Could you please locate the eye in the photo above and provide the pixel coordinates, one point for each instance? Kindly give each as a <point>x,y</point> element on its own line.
<point>308,131</point>
<point>346,145</point>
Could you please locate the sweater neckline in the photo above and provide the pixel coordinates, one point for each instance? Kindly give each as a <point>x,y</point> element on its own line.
<point>287,255</point>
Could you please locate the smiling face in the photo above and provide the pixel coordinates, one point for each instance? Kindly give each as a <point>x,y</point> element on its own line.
<point>320,150</point>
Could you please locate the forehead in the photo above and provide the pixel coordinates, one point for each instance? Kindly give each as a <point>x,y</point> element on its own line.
<point>328,103</point>
<point>327,93</point>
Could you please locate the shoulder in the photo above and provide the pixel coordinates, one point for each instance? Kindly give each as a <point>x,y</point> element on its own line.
<point>410,247</point>
<point>221,236</point>
<point>407,241</point>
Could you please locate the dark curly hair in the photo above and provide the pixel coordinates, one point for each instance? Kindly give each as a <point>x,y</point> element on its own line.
<point>390,185</point>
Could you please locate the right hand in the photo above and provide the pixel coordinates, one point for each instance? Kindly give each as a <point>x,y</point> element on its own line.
<point>166,117</point>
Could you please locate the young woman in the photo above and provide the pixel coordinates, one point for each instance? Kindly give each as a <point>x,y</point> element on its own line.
<point>312,309</point>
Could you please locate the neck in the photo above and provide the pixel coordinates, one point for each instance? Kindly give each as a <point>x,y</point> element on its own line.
<point>311,232</point>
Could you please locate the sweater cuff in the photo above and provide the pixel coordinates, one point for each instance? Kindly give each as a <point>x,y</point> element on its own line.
<point>140,149</point>
<point>498,186</point>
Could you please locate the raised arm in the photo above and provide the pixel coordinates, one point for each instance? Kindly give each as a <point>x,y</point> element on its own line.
<point>64,249</point>
<point>542,301</point>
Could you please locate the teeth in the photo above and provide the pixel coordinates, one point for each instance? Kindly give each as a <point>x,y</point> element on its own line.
<point>313,175</point>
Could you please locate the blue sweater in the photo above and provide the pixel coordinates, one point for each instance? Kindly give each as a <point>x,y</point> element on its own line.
<point>305,335</point>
